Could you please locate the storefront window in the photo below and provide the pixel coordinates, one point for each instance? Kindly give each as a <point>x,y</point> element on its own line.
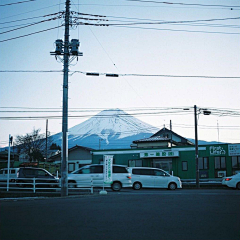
<point>203,163</point>
<point>220,162</point>
<point>135,163</point>
<point>236,162</point>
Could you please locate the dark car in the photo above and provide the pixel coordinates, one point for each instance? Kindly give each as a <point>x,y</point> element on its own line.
<point>42,177</point>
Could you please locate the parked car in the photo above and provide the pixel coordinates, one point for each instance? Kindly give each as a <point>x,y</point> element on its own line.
<point>42,176</point>
<point>12,174</point>
<point>92,175</point>
<point>144,177</point>
<point>232,181</point>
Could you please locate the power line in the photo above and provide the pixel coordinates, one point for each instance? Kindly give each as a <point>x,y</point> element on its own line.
<point>177,30</point>
<point>30,71</point>
<point>32,24</point>
<point>24,13</point>
<point>121,74</point>
<point>8,4</point>
<point>184,4</point>
<point>26,35</point>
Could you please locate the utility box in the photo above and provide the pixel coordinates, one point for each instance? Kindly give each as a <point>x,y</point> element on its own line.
<point>74,47</point>
<point>59,46</point>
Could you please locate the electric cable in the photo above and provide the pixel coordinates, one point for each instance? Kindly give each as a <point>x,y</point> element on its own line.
<point>8,4</point>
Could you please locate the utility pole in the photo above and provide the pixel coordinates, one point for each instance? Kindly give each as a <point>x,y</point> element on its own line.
<point>64,170</point>
<point>46,140</point>
<point>65,49</point>
<point>9,159</point>
<point>171,131</point>
<point>196,146</point>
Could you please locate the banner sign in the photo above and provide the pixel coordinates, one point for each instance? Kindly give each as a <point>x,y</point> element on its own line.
<point>159,154</point>
<point>234,149</point>
<point>107,168</point>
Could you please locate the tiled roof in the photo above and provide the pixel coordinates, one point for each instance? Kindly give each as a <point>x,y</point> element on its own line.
<point>153,139</point>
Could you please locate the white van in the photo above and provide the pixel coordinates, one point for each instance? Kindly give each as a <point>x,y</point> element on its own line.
<point>92,175</point>
<point>12,174</point>
<point>144,177</point>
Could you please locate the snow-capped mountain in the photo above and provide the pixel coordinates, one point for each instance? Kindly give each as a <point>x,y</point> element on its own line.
<point>108,129</point>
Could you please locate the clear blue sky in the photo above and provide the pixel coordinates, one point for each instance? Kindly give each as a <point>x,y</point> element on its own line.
<point>196,48</point>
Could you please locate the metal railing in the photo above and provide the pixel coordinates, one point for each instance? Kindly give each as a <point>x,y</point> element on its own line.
<point>37,184</point>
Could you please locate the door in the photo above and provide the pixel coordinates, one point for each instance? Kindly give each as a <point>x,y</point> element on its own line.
<point>97,175</point>
<point>147,177</point>
<point>164,164</point>
<point>161,179</point>
<point>82,177</point>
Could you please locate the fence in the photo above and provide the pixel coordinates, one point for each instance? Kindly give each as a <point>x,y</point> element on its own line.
<point>36,184</point>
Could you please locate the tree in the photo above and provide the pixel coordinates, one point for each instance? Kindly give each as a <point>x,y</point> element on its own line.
<point>54,146</point>
<point>33,145</point>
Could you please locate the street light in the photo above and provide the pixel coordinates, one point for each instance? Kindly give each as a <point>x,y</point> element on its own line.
<point>205,112</point>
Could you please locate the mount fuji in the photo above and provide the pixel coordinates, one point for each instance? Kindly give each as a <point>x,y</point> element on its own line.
<point>109,129</point>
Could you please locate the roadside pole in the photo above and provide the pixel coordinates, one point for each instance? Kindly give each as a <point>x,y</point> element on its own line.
<point>9,156</point>
<point>65,50</point>
<point>64,165</point>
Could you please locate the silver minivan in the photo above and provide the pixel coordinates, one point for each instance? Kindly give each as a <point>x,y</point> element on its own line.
<point>144,177</point>
<point>92,175</point>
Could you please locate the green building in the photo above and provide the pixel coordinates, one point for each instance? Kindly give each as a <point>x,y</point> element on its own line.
<point>177,156</point>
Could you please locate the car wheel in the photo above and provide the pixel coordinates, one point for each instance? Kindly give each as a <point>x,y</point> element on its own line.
<point>116,186</point>
<point>72,184</point>
<point>137,186</point>
<point>238,186</point>
<point>172,186</point>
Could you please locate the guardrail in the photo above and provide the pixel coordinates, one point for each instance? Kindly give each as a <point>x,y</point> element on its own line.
<point>35,184</point>
<point>210,182</point>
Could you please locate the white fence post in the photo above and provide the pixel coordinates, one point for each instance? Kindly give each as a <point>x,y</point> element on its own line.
<point>34,186</point>
<point>91,186</point>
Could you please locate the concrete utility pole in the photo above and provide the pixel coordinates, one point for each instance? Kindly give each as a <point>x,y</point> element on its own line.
<point>65,49</point>
<point>46,141</point>
<point>64,168</point>
<point>196,146</point>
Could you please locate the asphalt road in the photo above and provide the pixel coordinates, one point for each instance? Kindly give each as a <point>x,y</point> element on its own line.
<point>188,214</point>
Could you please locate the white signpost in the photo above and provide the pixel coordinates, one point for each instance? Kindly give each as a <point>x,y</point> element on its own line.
<point>107,171</point>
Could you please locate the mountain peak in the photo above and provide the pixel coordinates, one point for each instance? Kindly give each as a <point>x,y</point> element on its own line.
<point>109,124</point>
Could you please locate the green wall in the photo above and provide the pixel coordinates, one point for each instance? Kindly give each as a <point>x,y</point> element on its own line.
<point>186,154</point>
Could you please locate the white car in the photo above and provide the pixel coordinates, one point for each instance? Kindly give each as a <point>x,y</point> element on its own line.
<point>144,177</point>
<point>232,181</point>
<point>12,174</point>
<point>92,175</point>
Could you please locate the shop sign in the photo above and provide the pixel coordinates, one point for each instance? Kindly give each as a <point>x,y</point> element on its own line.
<point>159,154</point>
<point>107,168</point>
<point>234,149</point>
<point>217,150</point>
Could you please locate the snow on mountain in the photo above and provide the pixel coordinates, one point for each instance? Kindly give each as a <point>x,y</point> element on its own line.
<point>111,128</point>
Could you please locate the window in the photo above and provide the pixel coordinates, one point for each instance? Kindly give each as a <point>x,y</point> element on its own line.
<point>236,162</point>
<point>71,167</point>
<point>202,163</point>
<point>184,166</point>
<point>83,171</point>
<point>160,173</point>
<point>143,171</point>
<point>220,162</point>
<point>135,163</point>
<point>117,169</point>
<point>41,173</point>
<point>97,169</point>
